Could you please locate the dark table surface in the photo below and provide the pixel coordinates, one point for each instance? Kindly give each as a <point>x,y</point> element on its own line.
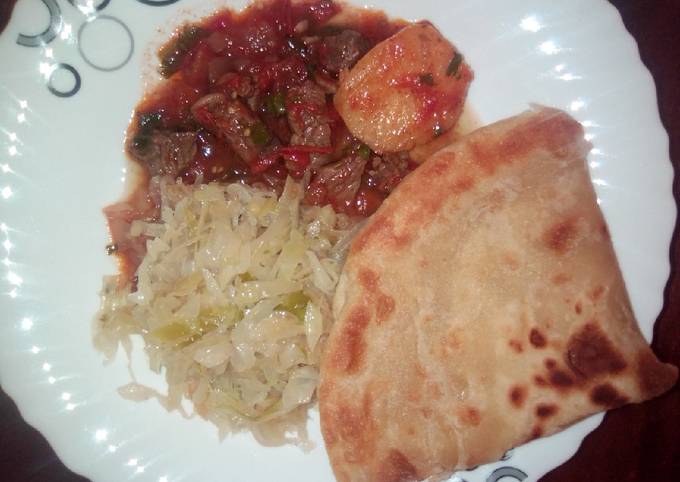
<point>636,443</point>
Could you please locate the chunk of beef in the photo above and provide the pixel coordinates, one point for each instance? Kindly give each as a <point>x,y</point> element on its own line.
<point>388,170</point>
<point>236,85</point>
<point>337,183</point>
<point>306,108</point>
<point>164,152</point>
<point>232,121</point>
<point>342,51</point>
<point>279,127</point>
<point>308,118</point>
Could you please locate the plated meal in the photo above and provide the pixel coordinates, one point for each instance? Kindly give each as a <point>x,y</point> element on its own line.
<point>314,219</point>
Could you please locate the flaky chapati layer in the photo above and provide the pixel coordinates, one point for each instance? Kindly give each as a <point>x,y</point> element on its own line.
<point>481,307</point>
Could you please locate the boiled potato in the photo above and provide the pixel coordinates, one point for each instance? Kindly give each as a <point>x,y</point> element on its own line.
<point>406,91</point>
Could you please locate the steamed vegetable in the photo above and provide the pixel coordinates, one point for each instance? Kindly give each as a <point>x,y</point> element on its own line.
<point>232,299</point>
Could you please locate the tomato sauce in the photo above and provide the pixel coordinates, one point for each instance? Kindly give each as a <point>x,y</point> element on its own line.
<point>252,62</point>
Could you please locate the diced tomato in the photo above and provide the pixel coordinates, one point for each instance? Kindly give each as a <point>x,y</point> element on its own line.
<point>262,163</point>
<point>366,202</point>
<point>214,161</point>
<point>298,156</point>
<point>316,195</point>
<point>297,163</point>
<point>279,76</point>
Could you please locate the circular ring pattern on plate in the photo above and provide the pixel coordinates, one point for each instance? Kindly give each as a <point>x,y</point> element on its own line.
<point>158,3</point>
<point>122,31</point>
<point>503,472</point>
<point>76,81</point>
<point>52,30</point>
<point>86,6</point>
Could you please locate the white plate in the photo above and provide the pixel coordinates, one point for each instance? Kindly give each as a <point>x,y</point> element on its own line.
<point>62,161</point>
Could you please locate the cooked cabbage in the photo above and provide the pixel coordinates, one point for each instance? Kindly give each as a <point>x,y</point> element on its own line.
<point>232,301</point>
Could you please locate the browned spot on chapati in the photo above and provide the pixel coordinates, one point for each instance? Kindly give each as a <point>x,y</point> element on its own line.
<point>351,346</point>
<point>537,339</point>
<point>518,395</point>
<point>556,376</point>
<point>540,381</point>
<point>596,293</point>
<point>560,379</point>
<point>536,432</point>
<point>470,416</point>
<point>546,410</point>
<point>591,353</point>
<point>560,237</point>
<point>516,345</point>
<point>578,308</point>
<point>551,130</point>
<point>607,396</point>
<point>384,308</point>
<point>462,184</point>
<point>381,231</point>
<point>396,468</point>
<point>336,429</point>
<point>353,425</point>
<point>439,165</point>
<point>369,279</point>
<point>370,232</point>
<point>427,204</point>
<point>561,278</point>
<point>384,304</point>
